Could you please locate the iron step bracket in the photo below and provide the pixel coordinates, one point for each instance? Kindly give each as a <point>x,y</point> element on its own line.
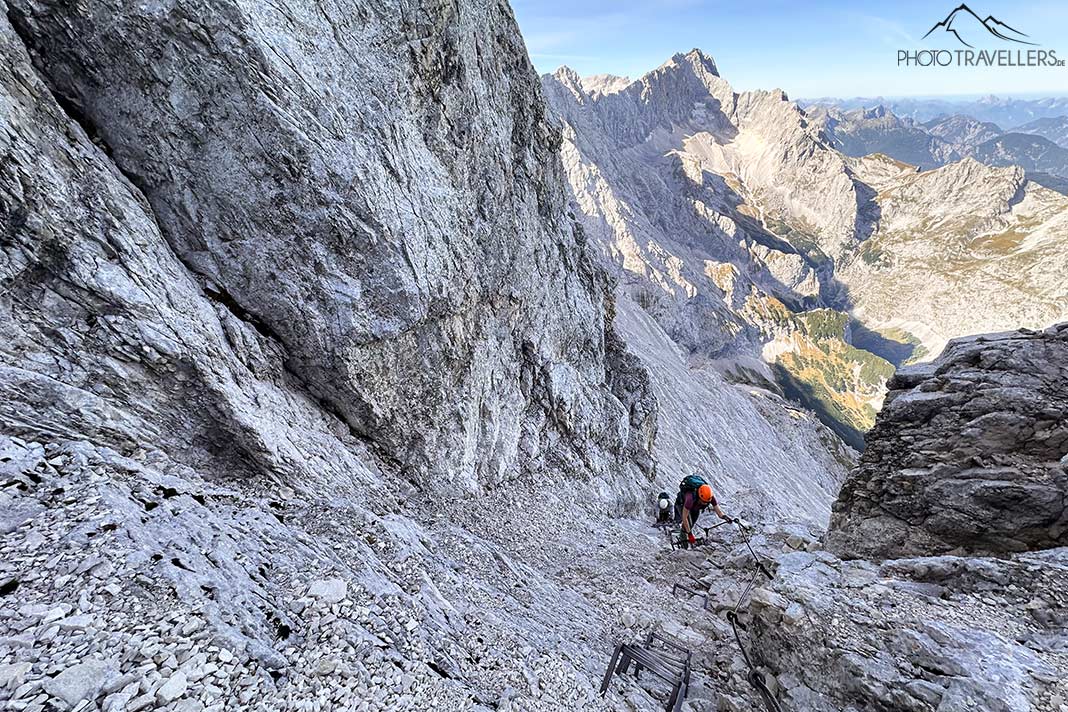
<point>674,538</point>
<point>703,595</point>
<point>670,641</point>
<point>672,669</point>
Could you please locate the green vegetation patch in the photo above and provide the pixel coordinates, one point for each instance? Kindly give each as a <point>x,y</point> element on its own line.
<point>873,255</point>
<point>824,323</point>
<point>833,378</point>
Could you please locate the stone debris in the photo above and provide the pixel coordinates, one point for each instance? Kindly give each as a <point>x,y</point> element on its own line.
<point>13,675</point>
<point>921,634</point>
<point>405,616</point>
<point>81,682</point>
<point>173,688</point>
<point>434,624</point>
<point>328,591</point>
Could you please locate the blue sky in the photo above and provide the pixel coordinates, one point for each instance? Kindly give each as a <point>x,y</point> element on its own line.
<point>808,49</point>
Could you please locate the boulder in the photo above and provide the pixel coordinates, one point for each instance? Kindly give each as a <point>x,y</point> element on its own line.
<point>855,635</point>
<point>13,675</point>
<point>173,688</point>
<point>968,455</point>
<point>328,590</point>
<point>82,681</point>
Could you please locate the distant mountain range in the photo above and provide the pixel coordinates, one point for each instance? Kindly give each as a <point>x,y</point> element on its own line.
<point>879,130</point>
<point>1006,112</point>
<point>739,226</point>
<point>934,143</point>
<point>1054,128</point>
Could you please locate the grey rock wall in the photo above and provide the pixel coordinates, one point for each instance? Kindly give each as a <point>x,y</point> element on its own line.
<point>928,634</point>
<point>347,216</point>
<point>106,335</point>
<point>969,454</point>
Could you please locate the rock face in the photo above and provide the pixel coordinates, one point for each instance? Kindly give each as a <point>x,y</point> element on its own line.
<point>290,295</point>
<point>684,120</point>
<point>236,222</point>
<point>969,455</point>
<point>924,635</point>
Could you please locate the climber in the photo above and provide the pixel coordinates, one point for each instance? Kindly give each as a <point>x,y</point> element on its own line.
<point>694,496</point>
<point>663,510</point>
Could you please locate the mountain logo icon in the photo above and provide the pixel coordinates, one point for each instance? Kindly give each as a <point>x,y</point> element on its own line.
<point>965,25</point>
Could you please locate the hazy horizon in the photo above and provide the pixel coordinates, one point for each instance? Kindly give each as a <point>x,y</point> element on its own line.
<point>848,97</point>
<point>828,48</point>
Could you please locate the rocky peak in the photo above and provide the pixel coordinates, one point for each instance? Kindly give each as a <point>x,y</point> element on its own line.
<point>570,79</point>
<point>876,112</point>
<point>605,84</point>
<point>629,111</point>
<point>968,455</point>
<point>964,132</point>
<point>699,60</point>
<point>968,168</point>
<point>684,78</point>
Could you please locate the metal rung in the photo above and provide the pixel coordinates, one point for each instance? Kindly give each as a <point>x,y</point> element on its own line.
<point>670,641</point>
<point>676,674</point>
<point>703,595</point>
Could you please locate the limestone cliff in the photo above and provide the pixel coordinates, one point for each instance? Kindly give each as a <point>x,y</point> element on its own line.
<point>961,494</point>
<point>968,456</point>
<point>292,309</point>
<point>264,237</point>
<point>733,220</point>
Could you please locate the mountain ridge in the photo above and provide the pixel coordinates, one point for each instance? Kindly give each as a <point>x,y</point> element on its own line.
<point>733,238</point>
<point>936,142</point>
<point>1007,112</point>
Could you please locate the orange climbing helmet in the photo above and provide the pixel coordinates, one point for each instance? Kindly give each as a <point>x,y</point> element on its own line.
<point>704,493</point>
